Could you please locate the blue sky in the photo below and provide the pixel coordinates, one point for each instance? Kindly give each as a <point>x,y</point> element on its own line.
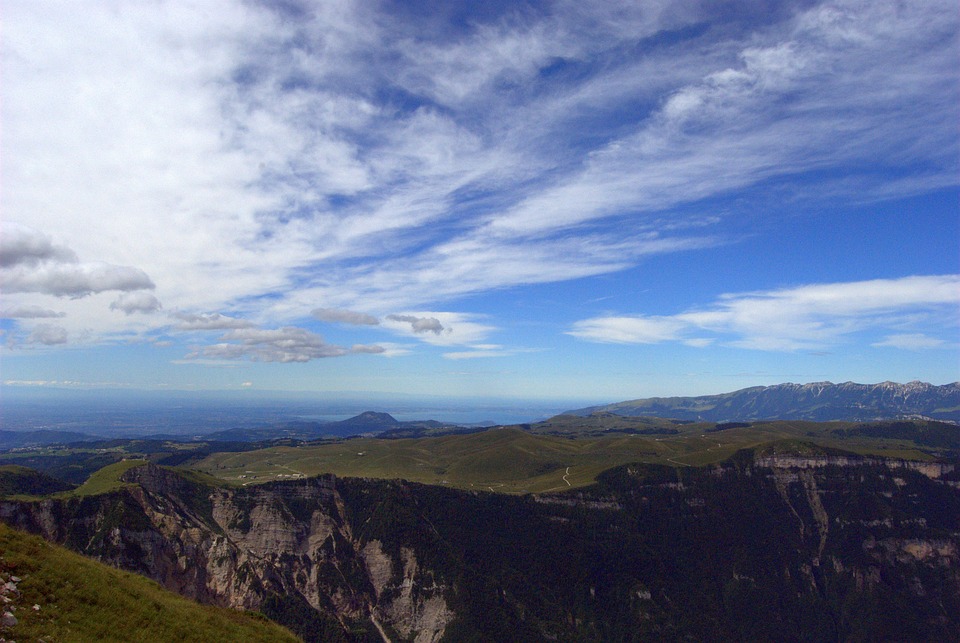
<point>581,200</point>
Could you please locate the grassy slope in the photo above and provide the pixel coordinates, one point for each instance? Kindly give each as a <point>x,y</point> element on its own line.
<point>83,600</point>
<point>105,480</point>
<point>15,479</point>
<point>516,461</point>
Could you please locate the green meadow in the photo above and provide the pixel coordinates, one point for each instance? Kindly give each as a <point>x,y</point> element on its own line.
<point>514,460</point>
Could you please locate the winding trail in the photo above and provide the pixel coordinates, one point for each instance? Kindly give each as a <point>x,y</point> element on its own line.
<point>684,464</point>
<point>379,627</point>
<point>565,477</point>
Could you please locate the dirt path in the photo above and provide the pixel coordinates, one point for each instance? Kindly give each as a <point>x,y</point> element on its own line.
<point>379,627</point>
<point>565,477</point>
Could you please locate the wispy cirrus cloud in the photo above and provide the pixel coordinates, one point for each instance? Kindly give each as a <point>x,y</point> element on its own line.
<point>803,318</point>
<point>262,162</point>
<point>912,342</point>
<point>482,351</point>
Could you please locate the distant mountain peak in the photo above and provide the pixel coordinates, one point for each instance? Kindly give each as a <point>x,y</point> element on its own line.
<point>374,417</point>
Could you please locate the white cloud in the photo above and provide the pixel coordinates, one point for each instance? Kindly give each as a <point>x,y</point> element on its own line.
<point>439,328</point>
<point>209,321</point>
<point>419,324</point>
<point>392,349</point>
<point>480,351</point>
<point>48,335</point>
<point>371,349</point>
<point>629,330</point>
<point>286,345</point>
<point>136,302</point>
<point>252,163</point>
<point>341,316</point>
<point>806,317</point>
<point>74,280</point>
<point>31,263</point>
<point>30,312</point>
<point>22,245</point>
<point>912,342</point>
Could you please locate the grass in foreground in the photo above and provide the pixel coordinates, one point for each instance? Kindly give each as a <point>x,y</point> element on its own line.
<point>83,600</point>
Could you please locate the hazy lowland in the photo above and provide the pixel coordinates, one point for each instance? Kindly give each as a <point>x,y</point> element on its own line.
<point>817,512</point>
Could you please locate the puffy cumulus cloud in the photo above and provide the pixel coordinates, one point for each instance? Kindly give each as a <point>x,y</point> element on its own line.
<point>30,311</point>
<point>48,335</point>
<point>806,317</point>
<point>74,280</point>
<point>419,324</point>
<point>372,349</point>
<point>22,245</point>
<point>340,316</point>
<point>136,302</point>
<point>439,328</point>
<point>31,263</point>
<point>285,345</point>
<point>209,321</point>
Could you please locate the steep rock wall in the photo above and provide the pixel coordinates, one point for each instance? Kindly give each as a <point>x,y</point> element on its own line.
<point>259,548</point>
<point>746,551</point>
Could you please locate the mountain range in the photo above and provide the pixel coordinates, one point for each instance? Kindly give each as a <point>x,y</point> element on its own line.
<point>818,402</point>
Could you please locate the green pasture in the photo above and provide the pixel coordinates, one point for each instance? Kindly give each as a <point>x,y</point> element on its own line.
<point>511,460</point>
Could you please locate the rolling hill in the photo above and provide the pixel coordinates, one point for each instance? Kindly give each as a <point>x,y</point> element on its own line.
<point>567,452</point>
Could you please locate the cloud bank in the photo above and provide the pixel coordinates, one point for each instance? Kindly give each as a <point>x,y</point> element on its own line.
<point>344,317</point>
<point>283,345</point>
<point>372,160</point>
<point>31,263</point>
<point>804,318</point>
<point>207,179</point>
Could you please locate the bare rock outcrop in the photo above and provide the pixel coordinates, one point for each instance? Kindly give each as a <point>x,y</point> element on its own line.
<point>241,547</point>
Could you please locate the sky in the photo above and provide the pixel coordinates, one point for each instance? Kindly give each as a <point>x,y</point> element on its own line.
<point>542,200</point>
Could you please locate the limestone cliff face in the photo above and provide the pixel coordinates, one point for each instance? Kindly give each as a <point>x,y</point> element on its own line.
<point>251,548</point>
<point>929,469</point>
<point>790,548</point>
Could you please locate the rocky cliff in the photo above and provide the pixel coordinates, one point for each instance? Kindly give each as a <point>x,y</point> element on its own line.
<point>284,549</point>
<point>750,550</point>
